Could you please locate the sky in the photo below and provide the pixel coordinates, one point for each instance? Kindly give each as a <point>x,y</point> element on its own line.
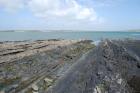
<point>94,15</point>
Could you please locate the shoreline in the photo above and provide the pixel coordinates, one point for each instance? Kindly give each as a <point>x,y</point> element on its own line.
<point>57,66</point>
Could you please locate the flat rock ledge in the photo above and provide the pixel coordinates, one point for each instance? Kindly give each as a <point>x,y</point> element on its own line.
<point>70,66</point>
<point>34,66</point>
<point>112,67</point>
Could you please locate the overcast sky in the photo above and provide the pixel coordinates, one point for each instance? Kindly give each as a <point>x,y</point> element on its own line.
<point>70,14</point>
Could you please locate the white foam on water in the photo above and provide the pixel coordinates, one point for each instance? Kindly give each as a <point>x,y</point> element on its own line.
<point>96,42</point>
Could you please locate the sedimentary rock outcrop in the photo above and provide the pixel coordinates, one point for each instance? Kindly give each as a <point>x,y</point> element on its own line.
<point>112,67</point>
<point>69,66</point>
<point>32,66</point>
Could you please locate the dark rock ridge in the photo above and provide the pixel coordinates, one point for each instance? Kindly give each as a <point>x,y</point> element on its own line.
<point>33,66</point>
<point>111,67</point>
<point>70,66</point>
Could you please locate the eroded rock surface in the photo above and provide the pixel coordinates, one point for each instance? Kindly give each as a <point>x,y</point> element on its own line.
<point>33,66</point>
<point>112,67</point>
<point>69,66</point>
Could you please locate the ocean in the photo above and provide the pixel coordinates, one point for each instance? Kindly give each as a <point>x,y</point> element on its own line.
<point>95,36</point>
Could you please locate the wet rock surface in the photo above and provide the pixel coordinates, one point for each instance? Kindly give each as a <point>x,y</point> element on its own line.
<point>34,66</point>
<point>111,67</point>
<point>70,66</point>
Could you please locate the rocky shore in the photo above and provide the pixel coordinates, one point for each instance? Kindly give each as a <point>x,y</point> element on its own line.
<point>70,66</point>
<point>33,66</point>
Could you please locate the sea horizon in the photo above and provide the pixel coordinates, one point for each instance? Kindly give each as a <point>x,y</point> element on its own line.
<point>56,30</point>
<point>20,35</point>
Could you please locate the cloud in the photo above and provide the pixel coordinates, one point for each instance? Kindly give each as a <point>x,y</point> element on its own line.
<point>101,3</point>
<point>11,5</point>
<point>65,9</point>
<point>59,14</point>
<point>53,9</point>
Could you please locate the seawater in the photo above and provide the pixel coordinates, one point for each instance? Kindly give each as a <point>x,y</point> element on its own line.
<point>95,36</point>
